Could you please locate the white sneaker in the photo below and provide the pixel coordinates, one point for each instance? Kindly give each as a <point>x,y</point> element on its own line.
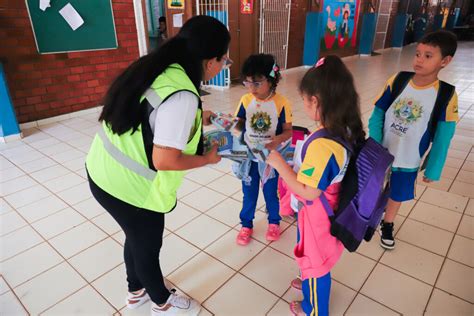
<point>176,305</point>
<point>136,299</point>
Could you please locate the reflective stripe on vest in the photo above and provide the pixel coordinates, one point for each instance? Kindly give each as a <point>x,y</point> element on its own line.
<point>124,160</point>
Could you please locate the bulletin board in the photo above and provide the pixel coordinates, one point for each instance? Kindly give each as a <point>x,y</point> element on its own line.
<point>53,34</point>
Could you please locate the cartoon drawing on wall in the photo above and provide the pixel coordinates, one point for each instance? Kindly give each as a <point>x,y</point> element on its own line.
<point>175,4</point>
<point>340,22</point>
<point>246,6</point>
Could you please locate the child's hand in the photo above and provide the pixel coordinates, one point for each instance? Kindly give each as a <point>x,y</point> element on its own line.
<point>273,145</point>
<point>275,160</point>
<point>212,157</point>
<point>427,180</point>
<point>206,117</point>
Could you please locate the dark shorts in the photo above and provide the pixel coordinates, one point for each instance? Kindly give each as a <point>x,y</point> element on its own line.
<point>402,185</point>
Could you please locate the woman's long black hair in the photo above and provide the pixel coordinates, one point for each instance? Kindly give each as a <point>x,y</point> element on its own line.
<point>201,37</point>
<point>332,83</point>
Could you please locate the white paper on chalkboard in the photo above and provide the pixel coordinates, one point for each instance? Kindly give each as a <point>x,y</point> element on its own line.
<point>71,16</point>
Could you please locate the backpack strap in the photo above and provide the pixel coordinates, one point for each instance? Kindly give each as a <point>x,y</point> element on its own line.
<point>323,133</point>
<point>445,93</point>
<point>399,83</point>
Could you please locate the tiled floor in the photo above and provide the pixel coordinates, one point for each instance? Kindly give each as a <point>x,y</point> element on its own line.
<point>61,254</point>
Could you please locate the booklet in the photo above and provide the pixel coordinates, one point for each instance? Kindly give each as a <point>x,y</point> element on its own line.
<point>229,146</point>
<point>224,121</point>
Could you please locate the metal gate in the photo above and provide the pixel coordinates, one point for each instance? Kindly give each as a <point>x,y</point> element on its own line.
<point>274,29</point>
<point>218,9</point>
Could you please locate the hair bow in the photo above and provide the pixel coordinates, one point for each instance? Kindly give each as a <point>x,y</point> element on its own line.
<point>319,63</point>
<point>274,70</point>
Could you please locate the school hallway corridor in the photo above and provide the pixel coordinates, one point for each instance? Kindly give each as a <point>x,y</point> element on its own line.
<point>62,254</point>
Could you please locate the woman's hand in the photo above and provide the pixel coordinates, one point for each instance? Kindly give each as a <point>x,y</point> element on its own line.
<point>211,156</point>
<point>206,117</point>
<point>275,160</point>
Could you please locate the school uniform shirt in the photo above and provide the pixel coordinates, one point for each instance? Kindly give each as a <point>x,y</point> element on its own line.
<point>403,126</point>
<point>323,167</point>
<point>263,119</point>
<point>325,163</point>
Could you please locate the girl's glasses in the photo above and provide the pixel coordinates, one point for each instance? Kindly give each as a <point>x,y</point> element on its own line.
<point>250,84</point>
<point>227,63</point>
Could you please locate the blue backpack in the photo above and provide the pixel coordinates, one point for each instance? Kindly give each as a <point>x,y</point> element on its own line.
<point>364,192</point>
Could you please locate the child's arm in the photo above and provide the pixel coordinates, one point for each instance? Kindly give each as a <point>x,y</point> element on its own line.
<point>377,119</point>
<point>289,176</point>
<point>445,130</point>
<point>277,140</point>
<point>376,122</point>
<point>240,125</point>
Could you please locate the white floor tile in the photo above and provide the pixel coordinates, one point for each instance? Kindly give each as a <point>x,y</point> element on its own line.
<point>201,276</point>
<point>27,196</point>
<point>58,223</point>
<point>85,302</point>
<point>77,239</point>
<point>180,216</point>
<point>174,253</point>
<point>10,173</point>
<point>9,222</point>
<point>18,241</point>
<point>98,259</point>
<point>277,276</point>
<point>113,286</point>
<point>42,208</point>
<point>11,306</point>
<point>76,194</point>
<point>48,288</point>
<point>49,173</point>
<point>226,212</point>
<point>252,299</point>
<point>89,208</point>
<point>226,250</point>
<point>202,231</point>
<point>63,182</point>
<point>19,269</point>
<point>203,199</point>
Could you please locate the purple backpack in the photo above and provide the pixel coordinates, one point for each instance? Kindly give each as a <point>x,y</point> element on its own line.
<point>364,192</point>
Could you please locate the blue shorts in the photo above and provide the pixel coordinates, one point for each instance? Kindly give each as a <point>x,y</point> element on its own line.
<point>402,185</point>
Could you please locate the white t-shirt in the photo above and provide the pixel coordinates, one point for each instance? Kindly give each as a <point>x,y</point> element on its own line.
<point>406,122</point>
<point>173,120</point>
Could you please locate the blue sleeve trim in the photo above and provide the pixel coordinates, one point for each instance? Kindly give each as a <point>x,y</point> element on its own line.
<point>439,151</point>
<point>385,100</point>
<point>242,112</point>
<point>330,172</point>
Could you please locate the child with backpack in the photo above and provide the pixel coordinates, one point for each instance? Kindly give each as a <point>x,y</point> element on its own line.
<point>265,121</point>
<point>414,110</point>
<point>320,163</point>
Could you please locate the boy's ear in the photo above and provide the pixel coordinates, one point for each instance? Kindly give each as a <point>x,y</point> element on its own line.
<point>446,60</point>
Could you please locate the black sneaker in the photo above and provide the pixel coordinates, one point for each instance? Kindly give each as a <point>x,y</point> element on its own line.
<point>386,239</point>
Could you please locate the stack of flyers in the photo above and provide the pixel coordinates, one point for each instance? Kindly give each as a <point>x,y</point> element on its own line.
<point>224,121</point>
<point>229,146</point>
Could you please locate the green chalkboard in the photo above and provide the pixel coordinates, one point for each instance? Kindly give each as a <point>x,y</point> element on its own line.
<point>54,35</point>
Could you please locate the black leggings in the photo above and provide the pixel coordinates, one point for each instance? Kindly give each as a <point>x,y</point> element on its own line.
<point>143,238</point>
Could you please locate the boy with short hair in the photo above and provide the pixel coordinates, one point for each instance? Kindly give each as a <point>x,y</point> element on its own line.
<point>414,110</point>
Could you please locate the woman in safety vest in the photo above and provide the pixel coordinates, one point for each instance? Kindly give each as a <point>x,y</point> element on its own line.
<point>151,132</point>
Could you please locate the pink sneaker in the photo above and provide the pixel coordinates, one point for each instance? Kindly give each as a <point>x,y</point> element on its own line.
<point>273,232</point>
<point>243,238</point>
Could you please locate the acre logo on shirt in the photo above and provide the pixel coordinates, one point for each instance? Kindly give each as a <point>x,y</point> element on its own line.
<point>407,111</point>
<point>260,122</point>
